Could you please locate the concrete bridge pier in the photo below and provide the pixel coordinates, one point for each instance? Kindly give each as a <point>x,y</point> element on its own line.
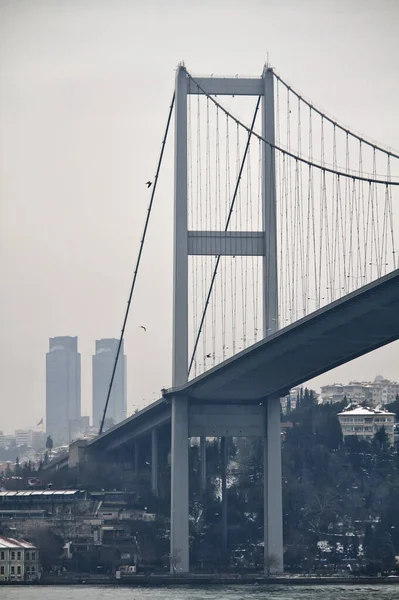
<point>224,456</point>
<point>154,462</point>
<point>203,463</point>
<point>179,532</point>
<point>136,458</point>
<point>272,488</point>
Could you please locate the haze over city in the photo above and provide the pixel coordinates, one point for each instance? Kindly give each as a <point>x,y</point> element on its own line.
<point>84,93</point>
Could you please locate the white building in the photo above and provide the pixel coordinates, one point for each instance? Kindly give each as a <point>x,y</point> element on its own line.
<point>383,391</point>
<point>354,391</point>
<point>19,560</point>
<point>30,437</point>
<point>364,422</point>
<point>379,392</point>
<point>24,437</point>
<point>9,440</point>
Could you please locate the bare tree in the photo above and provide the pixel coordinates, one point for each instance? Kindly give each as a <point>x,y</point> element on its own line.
<point>175,560</point>
<point>271,563</point>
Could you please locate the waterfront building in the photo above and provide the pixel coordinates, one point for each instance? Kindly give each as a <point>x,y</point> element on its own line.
<point>19,560</point>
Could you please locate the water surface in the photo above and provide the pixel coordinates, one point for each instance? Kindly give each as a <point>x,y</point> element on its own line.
<point>247,592</point>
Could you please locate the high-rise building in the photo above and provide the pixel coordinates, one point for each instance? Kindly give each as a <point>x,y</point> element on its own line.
<point>62,387</point>
<point>103,364</point>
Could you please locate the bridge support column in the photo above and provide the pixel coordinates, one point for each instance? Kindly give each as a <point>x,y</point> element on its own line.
<point>136,458</point>
<point>270,283</point>
<point>203,463</point>
<point>179,540</point>
<point>154,462</point>
<point>224,450</point>
<point>272,488</point>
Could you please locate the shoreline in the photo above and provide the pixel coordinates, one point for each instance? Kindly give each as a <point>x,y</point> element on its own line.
<point>201,581</point>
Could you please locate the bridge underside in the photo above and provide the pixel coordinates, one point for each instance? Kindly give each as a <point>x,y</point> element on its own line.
<point>348,328</point>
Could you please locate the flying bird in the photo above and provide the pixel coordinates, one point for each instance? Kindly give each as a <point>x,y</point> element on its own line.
<point>143,328</point>
<point>149,184</point>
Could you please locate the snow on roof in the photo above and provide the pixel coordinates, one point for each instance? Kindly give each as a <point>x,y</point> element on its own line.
<point>54,493</point>
<point>365,411</point>
<point>13,543</point>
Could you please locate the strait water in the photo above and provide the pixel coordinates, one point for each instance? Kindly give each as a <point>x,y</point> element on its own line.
<point>250,592</point>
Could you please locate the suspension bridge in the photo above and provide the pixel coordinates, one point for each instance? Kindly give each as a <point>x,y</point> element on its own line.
<point>285,266</point>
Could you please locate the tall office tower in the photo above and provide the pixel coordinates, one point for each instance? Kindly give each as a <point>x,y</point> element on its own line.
<point>63,400</point>
<point>103,364</point>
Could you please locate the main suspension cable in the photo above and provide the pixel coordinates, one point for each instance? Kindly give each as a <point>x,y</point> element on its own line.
<point>332,121</point>
<point>296,157</point>
<point>147,220</point>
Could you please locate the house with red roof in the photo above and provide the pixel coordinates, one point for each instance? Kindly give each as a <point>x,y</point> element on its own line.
<point>19,560</point>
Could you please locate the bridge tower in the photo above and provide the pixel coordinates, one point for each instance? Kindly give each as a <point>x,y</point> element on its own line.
<point>239,243</point>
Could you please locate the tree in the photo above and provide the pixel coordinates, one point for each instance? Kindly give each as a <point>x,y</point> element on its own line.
<point>49,444</point>
<point>379,546</point>
<point>381,438</point>
<point>271,563</point>
<point>49,544</point>
<point>394,407</point>
<point>175,560</point>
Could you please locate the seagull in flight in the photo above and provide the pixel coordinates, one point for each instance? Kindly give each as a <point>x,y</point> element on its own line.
<point>149,184</point>
<point>143,328</point>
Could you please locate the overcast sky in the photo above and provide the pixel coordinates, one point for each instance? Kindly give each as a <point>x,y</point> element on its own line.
<point>84,92</point>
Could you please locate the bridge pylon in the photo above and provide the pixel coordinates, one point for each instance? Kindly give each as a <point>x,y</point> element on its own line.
<point>228,243</point>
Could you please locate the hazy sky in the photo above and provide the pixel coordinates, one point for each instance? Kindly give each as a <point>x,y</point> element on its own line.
<point>84,92</point>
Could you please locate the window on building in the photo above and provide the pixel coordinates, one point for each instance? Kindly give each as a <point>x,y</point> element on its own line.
<point>27,556</point>
<point>33,556</point>
<point>32,570</point>
<point>1,570</point>
<point>18,570</point>
<point>28,569</point>
<point>1,555</point>
<point>18,556</point>
<point>12,555</point>
<point>12,570</point>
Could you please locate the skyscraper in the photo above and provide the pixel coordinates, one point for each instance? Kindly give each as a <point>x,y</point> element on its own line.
<point>103,364</point>
<point>63,401</point>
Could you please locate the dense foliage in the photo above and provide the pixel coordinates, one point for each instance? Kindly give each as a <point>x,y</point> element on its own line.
<point>340,498</point>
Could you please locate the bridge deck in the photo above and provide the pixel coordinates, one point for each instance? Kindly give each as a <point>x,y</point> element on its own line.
<point>346,329</point>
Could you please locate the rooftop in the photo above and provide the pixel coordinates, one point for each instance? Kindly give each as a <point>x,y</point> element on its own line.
<point>56,493</point>
<point>12,543</point>
<point>363,411</point>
